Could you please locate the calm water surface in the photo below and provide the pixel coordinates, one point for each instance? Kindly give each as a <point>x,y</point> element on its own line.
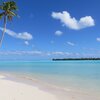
<point>77,74</point>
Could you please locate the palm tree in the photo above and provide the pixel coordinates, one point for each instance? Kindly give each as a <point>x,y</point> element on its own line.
<point>8,12</point>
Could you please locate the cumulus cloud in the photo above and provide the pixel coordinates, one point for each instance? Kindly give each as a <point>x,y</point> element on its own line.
<point>23,35</point>
<point>26,43</point>
<point>70,43</point>
<point>72,22</point>
<point>98,39</point>
<point>58,33</point>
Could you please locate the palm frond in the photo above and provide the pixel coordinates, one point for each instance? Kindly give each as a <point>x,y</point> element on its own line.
<point>1,7</point>
<point>13,5</point>
<point>12,13</point>
<point>10,5</point>
<point>1,15</point>
<point>9,9</point>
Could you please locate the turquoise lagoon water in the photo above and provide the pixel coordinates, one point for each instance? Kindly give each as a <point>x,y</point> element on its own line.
<point>64,74</point>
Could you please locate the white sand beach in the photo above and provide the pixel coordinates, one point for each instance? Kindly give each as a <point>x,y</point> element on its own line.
<point>15,90</point>
<point>10,90</point>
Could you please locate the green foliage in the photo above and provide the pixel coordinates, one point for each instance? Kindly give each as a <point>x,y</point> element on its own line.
<point>7,13</point>
<point>66,59</point>
<point>8,9</point>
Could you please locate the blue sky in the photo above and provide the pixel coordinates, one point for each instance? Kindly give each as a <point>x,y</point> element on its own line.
<point>53,28</point>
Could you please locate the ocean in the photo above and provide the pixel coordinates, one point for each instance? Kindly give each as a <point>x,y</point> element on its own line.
<point>75,76</point>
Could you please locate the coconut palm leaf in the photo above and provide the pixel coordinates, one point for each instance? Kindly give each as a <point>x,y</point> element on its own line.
<point>1,15</point>
<point>8,12</point>
<point>12,13</point>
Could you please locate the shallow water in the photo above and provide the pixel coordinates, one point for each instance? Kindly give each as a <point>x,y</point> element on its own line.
<point>73,75</point>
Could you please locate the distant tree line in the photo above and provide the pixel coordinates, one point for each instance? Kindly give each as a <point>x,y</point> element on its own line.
<point>64,59</point>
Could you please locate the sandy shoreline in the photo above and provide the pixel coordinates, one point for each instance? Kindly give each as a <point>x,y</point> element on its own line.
<point>10,90</point>
<point>15,88</point>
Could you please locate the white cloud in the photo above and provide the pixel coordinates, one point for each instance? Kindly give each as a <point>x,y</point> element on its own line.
<point>58,53</point>
<point>70,43</point>
<point>20,52</point>
<point>46,54</point>
<point>37,52</point>
<point>72,22</point>
<point>26,43</point>
<point>54,54</point>
<point>23,35</point>
<point>58,33</point>
<point>98,39</point>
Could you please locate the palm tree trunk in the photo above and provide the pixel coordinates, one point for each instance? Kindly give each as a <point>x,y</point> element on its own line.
<point>4,30</point>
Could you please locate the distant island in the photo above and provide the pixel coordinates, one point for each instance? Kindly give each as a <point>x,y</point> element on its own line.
<point>65,59</point>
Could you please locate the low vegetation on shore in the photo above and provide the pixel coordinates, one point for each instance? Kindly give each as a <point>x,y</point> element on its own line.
<point>64,59</point>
